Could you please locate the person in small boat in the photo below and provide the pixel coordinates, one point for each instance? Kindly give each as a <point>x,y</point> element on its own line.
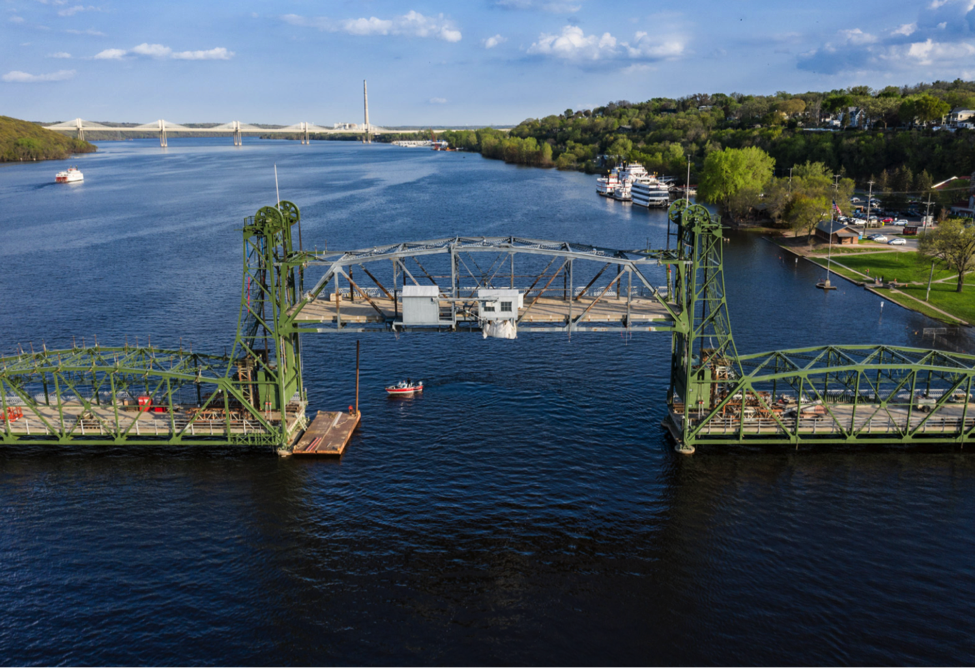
<point>409,382</point>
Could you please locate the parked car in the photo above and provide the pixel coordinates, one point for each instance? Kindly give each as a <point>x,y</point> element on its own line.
<point>879,238</point>
<point>900,222</point>
<point>887,220</point>
<point>855,200</point>
<point>897,242</point>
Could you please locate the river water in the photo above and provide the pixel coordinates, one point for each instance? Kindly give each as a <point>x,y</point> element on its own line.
<point>527,509</point>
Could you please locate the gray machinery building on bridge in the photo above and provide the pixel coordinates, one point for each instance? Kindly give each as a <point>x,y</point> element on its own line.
<point>497,286</point>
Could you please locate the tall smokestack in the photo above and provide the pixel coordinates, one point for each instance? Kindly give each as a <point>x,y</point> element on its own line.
<point>365,98</point>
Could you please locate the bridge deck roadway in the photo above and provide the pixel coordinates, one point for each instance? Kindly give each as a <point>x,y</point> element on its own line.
<point>547,310</point>
<point>869,420</point>
<point>101,421</point>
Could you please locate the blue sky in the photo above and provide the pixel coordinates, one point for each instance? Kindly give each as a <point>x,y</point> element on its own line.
<point>478,62</point>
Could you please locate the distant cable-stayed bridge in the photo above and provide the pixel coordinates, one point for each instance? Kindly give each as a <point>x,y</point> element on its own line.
<point>234,128</point>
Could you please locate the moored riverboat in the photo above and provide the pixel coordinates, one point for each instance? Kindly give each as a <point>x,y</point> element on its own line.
<point>605,185</point>
<point>650,192</point>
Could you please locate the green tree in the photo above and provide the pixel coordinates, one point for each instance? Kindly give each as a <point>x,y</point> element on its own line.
<point>954,245</point>
<point>792,107</point>
<point>881,109</point>
<point>834,103</point>
<point>805,213</point>
<point>28,148</point>
<point>922,109</point>
<point>734,178</point>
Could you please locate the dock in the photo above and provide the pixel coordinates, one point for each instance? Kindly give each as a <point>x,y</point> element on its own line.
<point>328,434</point>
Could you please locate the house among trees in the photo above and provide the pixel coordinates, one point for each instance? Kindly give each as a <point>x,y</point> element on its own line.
<point>961,116</point>
<point>963,208</point>
<point>842,234</point>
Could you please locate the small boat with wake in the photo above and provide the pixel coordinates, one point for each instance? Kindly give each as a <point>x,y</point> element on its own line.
<point>405,388</point>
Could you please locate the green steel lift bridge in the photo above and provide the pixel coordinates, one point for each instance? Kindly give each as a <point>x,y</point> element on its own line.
<point>255,396</point>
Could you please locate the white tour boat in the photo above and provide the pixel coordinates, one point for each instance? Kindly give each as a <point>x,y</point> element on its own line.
<point>650,191</point>
<point>72,175</point>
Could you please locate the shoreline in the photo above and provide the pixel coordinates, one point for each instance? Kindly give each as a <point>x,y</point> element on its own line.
<point>887,291</point>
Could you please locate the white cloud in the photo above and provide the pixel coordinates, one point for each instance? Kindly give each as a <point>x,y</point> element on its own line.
<point>162,51</point>
<point>71,11</point>
<point>411,24</point>
<point>154,50</point>
<point>856,37</point>
<point>943,36</point>
<point>645,47</point>
<point>906,30</point>
<point>492,42</point>
<point>929,52</point>
<point>574,45</point>
<point>24,77</point>
<point>218,53</point>
<point>370,26</point>
<point>438,100</point>
<point>95,33</point>
<point>110,54</point>
<point>16,19</point>
<point>59,54</point>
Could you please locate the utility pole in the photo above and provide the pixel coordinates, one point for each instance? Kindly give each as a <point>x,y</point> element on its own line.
<point>869,199</point>
<point>927,215</point>
<point>930,276</point>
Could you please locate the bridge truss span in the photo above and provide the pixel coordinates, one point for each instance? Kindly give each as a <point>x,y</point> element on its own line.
<point>562,286</point>
<point>839,394</point>
<point>135,395</point>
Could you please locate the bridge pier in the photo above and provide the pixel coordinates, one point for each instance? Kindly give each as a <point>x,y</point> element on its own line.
<point>238,137</point>
<point>163,139</point>
<point>81,129</point>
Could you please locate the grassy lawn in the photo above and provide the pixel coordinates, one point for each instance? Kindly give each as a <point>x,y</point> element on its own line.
<point>902,267</point>
<point>839,270</point>
<point>862,247</point>
<point>943,296</point>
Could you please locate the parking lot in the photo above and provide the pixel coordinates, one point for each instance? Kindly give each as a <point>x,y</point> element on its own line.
<point>889,230</point>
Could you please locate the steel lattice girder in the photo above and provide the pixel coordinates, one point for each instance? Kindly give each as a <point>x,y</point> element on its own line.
<point>80,378</point>
<point>336,262</point>
<point>867,393</point>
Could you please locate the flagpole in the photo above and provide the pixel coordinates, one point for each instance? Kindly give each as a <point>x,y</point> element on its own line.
<point>829,251</point>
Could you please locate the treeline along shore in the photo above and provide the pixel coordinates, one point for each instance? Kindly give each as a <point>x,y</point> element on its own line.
<point>22,141</point>
<point>857,132</point>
